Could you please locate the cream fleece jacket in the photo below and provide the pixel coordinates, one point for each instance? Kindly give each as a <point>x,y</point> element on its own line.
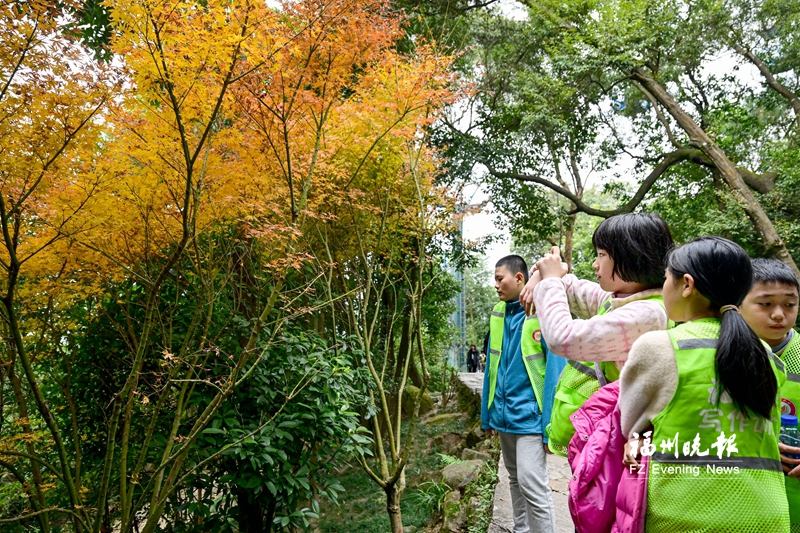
<point>648,381</point>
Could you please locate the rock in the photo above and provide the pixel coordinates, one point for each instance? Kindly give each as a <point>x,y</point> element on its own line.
<point>467,454</point>
<point>441,419</point>
<point>410,396</point>
<point>469,402</point>
<point>409,529</point>
<point>454,517</point>
<point>461,473</point>
<point>450,443</point>
<point>475,436</point>
<point>416,480</point>
<point>474,504</point>
<point>484,446</point>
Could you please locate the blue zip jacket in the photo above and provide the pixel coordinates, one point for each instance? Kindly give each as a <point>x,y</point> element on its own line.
<point>515,409</point>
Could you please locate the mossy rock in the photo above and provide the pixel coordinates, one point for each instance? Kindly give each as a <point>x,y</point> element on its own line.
<point>410,396</point>
<point>450,443</point>
<point>453,513</point>
<point>475,436</point>
<point>461,473</point>
<point>443,418</point>
<point>469,402</point>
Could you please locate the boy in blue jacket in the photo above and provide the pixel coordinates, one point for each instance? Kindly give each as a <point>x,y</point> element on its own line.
<point>509,404</point>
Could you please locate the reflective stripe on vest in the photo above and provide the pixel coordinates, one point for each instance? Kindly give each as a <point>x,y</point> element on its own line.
<point>531,349</point>
<point>577,382</point>
<point>790,403</point>
<point>496,323</point>
<point>583,368</point>
<point>701,419</point>
<point>533,356</point>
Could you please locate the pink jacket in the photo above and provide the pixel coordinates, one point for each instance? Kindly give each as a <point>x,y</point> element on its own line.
<point>603,495</point>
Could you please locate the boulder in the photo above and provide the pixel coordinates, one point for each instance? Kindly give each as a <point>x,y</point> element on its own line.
<point>469,402</point>
<point>475,436</point>
<point>484,446</point>
<point>410,396</point>
<point>442,418</point>
<point>415,480</point>
<point>474,504</point>
<point>467,454</point>
<point>453,515</point>
<point>450,443</point>
<point>459,474</point>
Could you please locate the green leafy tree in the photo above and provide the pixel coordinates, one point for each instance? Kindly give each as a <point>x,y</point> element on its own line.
<point>628,88</point>
<point>273,448</point>
<point>480,298</point>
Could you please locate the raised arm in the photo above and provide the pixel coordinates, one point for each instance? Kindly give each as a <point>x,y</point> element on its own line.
<point>606,337</point>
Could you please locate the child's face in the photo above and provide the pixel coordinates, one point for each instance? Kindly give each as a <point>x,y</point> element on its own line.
<point>508,285</point>
<point>604,272</point>
<point>771,310</point>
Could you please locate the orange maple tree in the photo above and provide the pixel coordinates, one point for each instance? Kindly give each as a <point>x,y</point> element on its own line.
<point>291,125</point>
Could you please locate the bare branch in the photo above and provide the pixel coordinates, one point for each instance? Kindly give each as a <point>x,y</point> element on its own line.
<point>668,160</point>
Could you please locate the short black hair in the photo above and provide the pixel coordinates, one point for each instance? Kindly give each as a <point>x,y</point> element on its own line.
<point>638,243</point>
<point>774,271</point>
<point>514,264</point>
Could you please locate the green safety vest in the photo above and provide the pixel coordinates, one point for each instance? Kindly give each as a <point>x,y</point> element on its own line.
<point>577,383</point>
<point>790,402</point>
<point>533,356</point>
<point>532,352</point>
<point>689,490</point>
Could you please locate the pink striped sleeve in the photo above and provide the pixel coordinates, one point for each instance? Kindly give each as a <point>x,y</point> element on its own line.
<point>606,337</point>
<point>584,297</point>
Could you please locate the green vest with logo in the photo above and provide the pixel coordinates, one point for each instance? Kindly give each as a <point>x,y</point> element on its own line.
<point>532,352</point>
<point>790,405</point>
<point>714,469</point>
<point>578,381</point>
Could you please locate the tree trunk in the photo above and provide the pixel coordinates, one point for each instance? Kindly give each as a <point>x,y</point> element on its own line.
<point>772,242</point>
<point>24,419</point>
<point>250,517</point>
<point>413,371</point>
<point>405,341</point>
<point>569,238</point>
<point>393,492</point>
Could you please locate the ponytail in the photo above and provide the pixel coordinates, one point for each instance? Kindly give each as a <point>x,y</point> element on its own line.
<point>743,368</point>
<point>722,272</point>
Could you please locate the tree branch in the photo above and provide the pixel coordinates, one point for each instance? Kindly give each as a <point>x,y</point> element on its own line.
<point>777,86</point>
<point>668,160</point>
<point>659,114</point>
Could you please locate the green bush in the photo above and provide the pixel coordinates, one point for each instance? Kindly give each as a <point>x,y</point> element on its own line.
<point>280,453</point>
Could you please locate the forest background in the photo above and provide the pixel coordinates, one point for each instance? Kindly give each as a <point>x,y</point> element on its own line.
<point>225,223</point>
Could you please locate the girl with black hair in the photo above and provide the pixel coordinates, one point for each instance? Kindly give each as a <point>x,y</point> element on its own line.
<point>609,314</point>
<point>708,391</point>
